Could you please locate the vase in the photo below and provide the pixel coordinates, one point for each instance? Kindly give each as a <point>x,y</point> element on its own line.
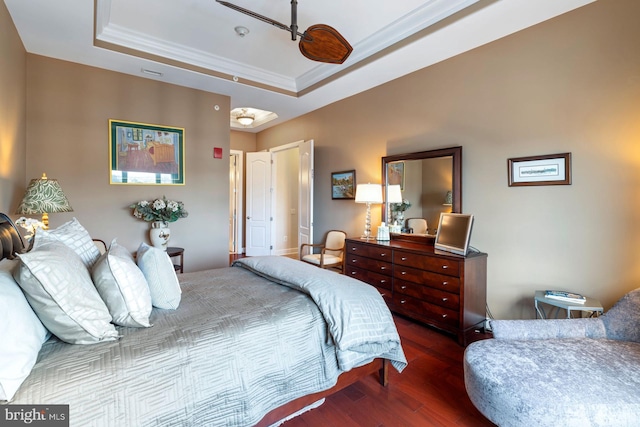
<point>159,234</point>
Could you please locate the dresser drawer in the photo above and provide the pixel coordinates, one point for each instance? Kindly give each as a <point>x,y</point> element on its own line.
<point>375,252</point>
<point>432,295</point>
<point>425,311</point>
<point>375,279</point>
<point>438,281</point>
<point>449,267</point>
<point>373,265</point>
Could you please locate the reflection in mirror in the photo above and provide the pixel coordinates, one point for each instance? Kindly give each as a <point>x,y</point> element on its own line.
<point>430,183</point>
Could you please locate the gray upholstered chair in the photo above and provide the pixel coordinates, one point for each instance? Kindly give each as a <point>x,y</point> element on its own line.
<point>560,372</point>
<point>331,253</point>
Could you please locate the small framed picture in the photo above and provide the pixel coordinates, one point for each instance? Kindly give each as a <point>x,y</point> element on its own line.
<point>343,185</point>
<point>550,169</point>
<point>395,174</point>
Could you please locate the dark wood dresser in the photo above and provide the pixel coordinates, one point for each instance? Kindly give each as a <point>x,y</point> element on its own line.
<point>440,289</point>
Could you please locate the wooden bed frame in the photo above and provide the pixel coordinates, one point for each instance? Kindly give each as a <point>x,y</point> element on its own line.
<point>344,380</point>
<point>11,242</point>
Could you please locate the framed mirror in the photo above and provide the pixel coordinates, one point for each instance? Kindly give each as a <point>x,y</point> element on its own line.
<point>430,181</point>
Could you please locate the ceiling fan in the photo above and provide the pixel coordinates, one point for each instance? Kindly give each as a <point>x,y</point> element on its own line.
<point>320,42</point>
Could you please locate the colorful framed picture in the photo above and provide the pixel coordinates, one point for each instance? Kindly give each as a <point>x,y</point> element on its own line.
<point>343,185</point>
<point>145,154</point>
<point>550,169</point>
<point>395,174</point>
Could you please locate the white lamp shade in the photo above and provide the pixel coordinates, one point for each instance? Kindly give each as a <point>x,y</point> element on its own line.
<point>394,194</point>
<point>369,193</point>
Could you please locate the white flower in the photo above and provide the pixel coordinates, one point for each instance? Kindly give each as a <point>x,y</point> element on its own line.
<point>172,205</point>
<point>159,204</point>
<point>143,203</point>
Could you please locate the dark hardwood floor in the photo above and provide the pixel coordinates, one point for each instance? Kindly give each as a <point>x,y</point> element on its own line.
<point>429,392</point>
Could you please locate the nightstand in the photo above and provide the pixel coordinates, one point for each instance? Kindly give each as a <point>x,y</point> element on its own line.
<point>591,306</point>
<point>174,252</point>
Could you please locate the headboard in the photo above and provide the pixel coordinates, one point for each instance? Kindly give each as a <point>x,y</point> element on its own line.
<point>10,239</point>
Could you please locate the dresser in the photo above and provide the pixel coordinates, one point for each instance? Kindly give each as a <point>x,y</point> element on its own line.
<point>444,290</point>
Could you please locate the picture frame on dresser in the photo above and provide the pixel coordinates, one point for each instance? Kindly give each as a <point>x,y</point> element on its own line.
<point>145,154</point>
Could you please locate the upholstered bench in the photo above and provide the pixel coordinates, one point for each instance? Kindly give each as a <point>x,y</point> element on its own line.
<point>571,372</point>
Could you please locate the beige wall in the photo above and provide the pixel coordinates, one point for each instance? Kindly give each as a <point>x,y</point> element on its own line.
<point>12,114</point>
<point>68,108</point>
<point>571,84</point>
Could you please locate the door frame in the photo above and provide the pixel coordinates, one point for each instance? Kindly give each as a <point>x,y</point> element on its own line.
<point>238,201</point>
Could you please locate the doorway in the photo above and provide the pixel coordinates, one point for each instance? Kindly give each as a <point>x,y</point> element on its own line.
<point>279,202</point>
<point>236,172</point>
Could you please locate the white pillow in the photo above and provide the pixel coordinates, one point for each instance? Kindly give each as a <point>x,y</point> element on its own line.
<point>74,235</point>
<point>58,286</point>
<point>122,287</point>
<point>21,333</point>
<point>161,276</point>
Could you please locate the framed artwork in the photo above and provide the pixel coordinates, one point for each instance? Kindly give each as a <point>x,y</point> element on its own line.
<point>343,185</point>
<point>145,154</point>
<point>395,174</point>
<point>550,169</point>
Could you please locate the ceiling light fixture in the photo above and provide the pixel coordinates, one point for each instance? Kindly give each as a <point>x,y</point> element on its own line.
<point>244,118</point>
<point>241,31</point>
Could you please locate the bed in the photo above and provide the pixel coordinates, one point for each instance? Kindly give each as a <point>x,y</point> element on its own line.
<point>247,345</point>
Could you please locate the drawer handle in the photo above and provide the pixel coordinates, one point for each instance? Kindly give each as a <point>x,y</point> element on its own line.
<point>353,249</point>
<point>354,260</point>
<point>353,273</point>
<point>403,287</point>
<point>403,272</point>
<point>383,254</point>
<point>444,315</point>
<point>383,281</point>
<point>383,294</point>
<point>383,268</point>
<point>445,299</point>
<point>445,283</point>
<point>402,301</point>
<point>444,267</point>
<point>404,258</point>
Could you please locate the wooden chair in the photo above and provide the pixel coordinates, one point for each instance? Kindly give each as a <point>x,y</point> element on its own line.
<point>331,251</point>
<point>417,225</point>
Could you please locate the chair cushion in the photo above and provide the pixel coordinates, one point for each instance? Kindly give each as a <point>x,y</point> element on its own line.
<point>328,259</point>
<point>555,382</point>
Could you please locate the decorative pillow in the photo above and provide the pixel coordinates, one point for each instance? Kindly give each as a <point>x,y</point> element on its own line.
<point>74,235</point>
<point>161,276</point>
<point>21,333</point>
<point>123,287</point>
<point>58,286</point>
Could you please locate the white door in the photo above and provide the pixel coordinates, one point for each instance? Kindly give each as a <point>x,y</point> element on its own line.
<point>236,217</point>
<point>258,204</point>
<point>305,196</point>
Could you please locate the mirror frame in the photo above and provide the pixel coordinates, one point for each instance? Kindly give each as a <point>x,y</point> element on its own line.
<point>456,172</point>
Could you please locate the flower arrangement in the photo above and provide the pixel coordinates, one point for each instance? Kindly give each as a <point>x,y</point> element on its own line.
<point>401,207</point>
<point>159,210</point>
<point>31,225</point>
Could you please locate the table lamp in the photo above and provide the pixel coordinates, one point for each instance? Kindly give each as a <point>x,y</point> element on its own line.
<point>44,196</point>
<point>368,193</point>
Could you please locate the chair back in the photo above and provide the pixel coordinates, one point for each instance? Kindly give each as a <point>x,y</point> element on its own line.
<point>418,225</point>
<point>335,240</point>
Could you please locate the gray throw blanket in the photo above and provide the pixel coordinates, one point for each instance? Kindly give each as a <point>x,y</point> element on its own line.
<point>360,322</point>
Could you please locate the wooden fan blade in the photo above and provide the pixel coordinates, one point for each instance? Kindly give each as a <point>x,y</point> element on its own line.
<point>323,43</point>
